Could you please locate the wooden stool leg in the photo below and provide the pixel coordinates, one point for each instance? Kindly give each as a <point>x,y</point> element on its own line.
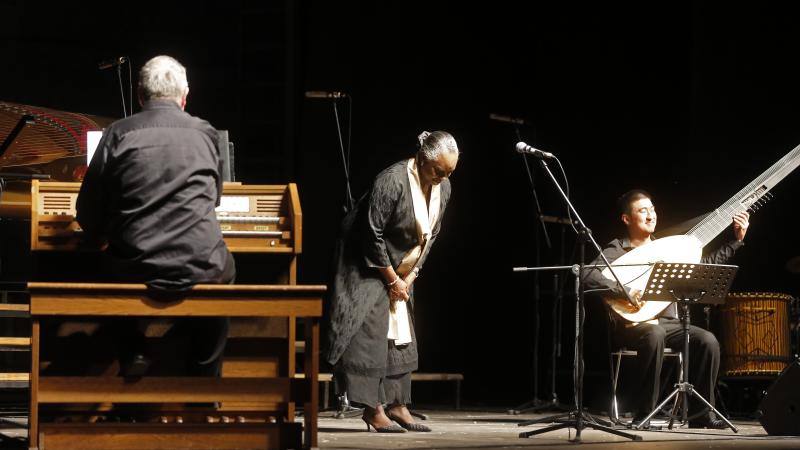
<point>33,418</point>
<point>311,407</point>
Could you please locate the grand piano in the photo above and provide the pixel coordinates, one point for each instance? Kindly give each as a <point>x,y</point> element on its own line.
<point>40,143</point>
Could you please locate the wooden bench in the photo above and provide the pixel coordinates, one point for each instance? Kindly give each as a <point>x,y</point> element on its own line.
<point>457,378</point>
<point>275,395</point>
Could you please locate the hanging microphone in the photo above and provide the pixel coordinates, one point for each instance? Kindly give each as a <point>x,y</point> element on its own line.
<point>507,119</point>
<point>325,94</point>
<point>528,150</point>
<point>109,63</point>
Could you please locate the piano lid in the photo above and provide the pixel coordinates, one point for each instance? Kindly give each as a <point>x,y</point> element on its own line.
<point>44,137</point>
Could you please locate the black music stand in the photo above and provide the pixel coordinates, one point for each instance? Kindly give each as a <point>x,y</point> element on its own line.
<point>688,284</point>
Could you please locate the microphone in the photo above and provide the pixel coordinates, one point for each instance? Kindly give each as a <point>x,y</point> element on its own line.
<point>507,119</point>
<point>325,94</point>
<point>109,63</point>
<point>526,149</point>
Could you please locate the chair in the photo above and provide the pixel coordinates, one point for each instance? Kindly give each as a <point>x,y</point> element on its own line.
<point>616,361</point>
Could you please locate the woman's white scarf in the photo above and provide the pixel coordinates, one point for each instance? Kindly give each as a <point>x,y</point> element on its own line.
<point>399,323</point>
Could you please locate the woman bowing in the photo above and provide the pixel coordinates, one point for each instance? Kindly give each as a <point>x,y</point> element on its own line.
<point>382,247</point>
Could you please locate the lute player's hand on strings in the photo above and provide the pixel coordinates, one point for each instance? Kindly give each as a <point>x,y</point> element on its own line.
<point>636,297</point>
<point>741,221</point>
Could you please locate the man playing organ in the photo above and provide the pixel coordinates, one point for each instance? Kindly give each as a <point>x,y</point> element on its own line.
<point>150,193</point>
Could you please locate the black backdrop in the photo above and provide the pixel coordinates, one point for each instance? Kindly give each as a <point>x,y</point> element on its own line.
<point>690,100</point>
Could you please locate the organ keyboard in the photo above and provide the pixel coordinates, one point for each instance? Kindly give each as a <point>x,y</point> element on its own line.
<point>253,218</point>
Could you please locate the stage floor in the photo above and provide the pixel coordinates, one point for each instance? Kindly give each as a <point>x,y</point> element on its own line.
<point>490,430</point>
<point>486,430</point>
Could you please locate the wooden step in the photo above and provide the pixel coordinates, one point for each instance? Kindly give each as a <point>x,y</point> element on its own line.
<point>15,342</point>
<point>14,310</point>
<point>14,380</point>
<point>20,376</point>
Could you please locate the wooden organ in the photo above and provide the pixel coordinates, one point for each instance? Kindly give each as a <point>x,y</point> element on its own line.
<point>255,219</point>
<point>262,226</point>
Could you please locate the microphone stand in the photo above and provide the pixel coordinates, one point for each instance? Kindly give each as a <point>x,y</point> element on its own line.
<point>117,63</point>
<point>121,90</point>
<point>349,203</point>
<point>344,408</point>
<point>535,404</point>
<point>577,418</point>
<point>334,96</point>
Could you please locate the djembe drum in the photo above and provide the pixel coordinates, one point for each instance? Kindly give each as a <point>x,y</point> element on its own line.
<point>755,334</point>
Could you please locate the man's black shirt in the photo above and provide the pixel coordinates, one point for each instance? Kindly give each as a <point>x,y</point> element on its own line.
<point>151,190</point>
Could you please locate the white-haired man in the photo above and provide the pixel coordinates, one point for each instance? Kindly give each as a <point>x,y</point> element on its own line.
<point>150,193</point>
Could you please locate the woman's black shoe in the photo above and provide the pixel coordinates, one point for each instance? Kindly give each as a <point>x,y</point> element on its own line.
<point>387,429</point>
<point>410,426</point>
